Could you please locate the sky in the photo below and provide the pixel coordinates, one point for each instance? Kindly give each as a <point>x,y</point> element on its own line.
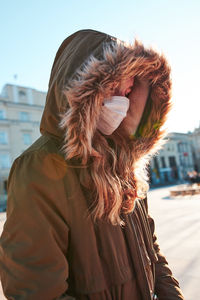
<point>32,31</point>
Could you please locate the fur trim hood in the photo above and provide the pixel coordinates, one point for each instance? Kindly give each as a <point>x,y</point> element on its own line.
<point>87,68</point>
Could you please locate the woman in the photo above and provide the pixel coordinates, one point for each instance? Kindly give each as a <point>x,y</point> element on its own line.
<point>77,217</point>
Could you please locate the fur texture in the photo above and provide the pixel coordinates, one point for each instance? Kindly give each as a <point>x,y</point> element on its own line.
<point>117,166</point>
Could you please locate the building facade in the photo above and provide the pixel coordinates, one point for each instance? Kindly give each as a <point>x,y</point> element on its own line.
<point>20,113</point>
<point>195,140</point>
<point>173,161</point>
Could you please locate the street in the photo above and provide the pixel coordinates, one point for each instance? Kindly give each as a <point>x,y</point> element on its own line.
<point>178,229</point>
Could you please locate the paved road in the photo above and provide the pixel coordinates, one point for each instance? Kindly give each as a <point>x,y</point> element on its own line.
<point>178,229</point>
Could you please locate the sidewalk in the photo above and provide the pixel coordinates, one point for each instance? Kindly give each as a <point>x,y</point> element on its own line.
<point>177,223</point>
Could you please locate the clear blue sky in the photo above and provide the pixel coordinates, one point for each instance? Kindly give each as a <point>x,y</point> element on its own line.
<point>31,32</point>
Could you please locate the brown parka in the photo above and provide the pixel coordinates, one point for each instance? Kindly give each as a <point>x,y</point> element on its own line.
<point>49,248</point>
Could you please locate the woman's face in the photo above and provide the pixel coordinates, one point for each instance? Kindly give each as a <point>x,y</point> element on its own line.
<point>137,91</point>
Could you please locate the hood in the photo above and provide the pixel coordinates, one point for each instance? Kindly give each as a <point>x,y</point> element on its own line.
<point>87,68</point>
<point>71,54</point>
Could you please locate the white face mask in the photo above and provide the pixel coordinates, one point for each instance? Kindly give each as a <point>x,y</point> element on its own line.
<point>112,114</point>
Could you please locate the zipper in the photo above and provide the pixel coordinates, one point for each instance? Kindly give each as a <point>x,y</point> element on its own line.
<point>148,230</point>
<point>140,258</point>
<point>146,257</point>
<point>148,234</point>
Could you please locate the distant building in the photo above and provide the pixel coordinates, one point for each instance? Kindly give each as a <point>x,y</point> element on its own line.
<point>195,139</point>
<point>174,161</point>
<point>20,113</point>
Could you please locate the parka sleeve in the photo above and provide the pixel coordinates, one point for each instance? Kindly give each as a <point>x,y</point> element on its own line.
<point>33,245</point>
<point>166,286</point>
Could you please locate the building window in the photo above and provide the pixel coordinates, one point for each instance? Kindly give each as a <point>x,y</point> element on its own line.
<point>172,161</point>
<point>22,95</point>
<point>5,161</point>
<point>163,162</point>
<point>2,114</point>
<point>27,138</point>
<point>4,92</point>
<point>173,166</point>
<point>3,138</point>
<point>24,116</point>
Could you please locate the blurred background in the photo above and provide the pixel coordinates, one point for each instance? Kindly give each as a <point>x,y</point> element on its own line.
<point>31,33</point>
